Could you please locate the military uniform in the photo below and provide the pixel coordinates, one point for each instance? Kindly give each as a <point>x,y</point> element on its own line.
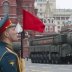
<point>9,60</point>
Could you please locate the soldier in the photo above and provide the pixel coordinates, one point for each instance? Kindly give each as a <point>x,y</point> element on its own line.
<point>9,60</point>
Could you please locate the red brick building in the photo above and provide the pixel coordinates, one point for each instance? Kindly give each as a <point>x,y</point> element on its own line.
<point>10,7</point>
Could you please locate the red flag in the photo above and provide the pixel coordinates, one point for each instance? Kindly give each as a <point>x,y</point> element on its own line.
<point>31,22</point>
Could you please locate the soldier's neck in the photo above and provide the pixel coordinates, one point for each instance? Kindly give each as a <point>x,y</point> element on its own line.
<point>7,41</point>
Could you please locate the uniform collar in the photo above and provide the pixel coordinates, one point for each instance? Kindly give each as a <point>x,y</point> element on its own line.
<point>9,46</point>
<point>6,45</point>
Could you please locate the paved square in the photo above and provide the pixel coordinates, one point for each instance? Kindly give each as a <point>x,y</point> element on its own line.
<point>34,67</point>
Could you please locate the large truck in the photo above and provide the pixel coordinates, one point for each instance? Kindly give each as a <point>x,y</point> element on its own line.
<point>51,49</point>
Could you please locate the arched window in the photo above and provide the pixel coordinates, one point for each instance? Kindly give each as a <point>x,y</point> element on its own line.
<point>6,7</point>
<point>46,28</point>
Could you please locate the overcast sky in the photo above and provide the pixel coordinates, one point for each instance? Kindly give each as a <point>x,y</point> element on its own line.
<point>64,4</point>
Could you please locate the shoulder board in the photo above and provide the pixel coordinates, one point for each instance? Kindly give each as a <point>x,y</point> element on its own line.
<point>11,51</point>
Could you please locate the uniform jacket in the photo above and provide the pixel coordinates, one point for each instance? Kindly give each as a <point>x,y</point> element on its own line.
<point>8,59</point>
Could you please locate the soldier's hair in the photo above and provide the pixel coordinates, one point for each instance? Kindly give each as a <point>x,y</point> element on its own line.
<point>3,35</point>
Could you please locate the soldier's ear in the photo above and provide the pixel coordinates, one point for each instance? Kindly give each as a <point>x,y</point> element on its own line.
<point>6,34</point>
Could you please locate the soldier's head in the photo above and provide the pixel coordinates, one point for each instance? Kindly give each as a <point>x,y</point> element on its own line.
<point>7,30</point>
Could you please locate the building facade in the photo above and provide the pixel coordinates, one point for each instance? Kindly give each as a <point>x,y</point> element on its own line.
<point>60,17</point>
<point>45,13</point>
<point>43,5</point>
<point>10,7</point>
<point>53,18</point>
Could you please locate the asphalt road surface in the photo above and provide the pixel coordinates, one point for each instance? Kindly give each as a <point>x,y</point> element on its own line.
<point>34,67</point>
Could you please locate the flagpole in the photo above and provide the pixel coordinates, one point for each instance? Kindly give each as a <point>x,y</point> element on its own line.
<point>19,14</point>
<point>22,38</point>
